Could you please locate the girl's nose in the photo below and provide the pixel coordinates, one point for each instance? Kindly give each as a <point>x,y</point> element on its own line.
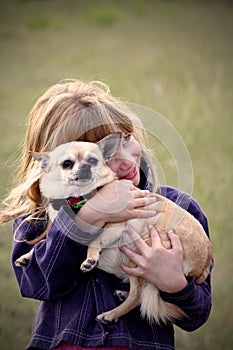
<point>124,158</point>
<point>124,163</point>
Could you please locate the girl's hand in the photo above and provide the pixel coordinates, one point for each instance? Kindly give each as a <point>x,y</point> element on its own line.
<point>158,265</point>
<point>117,201</point>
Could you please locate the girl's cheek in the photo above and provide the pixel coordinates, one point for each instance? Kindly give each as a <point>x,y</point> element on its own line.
<point>112,165</point>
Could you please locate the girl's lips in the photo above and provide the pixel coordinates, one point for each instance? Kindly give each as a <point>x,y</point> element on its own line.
<point>131,175</point>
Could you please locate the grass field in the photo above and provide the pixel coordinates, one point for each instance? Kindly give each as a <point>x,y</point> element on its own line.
<point>174,57</point>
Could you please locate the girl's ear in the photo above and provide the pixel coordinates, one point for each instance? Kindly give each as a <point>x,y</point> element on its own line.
<point>42,158</point>
<point>109,145</point>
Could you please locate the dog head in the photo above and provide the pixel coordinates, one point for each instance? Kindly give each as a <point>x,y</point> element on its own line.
<point>76,168</point>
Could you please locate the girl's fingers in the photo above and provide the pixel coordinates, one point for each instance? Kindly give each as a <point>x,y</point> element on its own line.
<point>154,235</point>
<point>140,193</point>
<point>175,240</point>
<point>137,259</point>
<point>144,213</point>
<point>138,241</point>
<point>133,271</point>
<point>142,202</point>
<point>129,253</point>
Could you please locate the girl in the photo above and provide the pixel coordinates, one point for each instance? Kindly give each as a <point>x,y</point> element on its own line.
<point>70,300</point>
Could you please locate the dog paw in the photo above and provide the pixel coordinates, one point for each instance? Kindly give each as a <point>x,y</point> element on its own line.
<point>121,295</point>
<point>22,262</point>
<point>88,265</point>
<point>106,318</point>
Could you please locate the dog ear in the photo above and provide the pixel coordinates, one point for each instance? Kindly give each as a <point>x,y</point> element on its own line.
<point>109,145</point>
<point>42,158</point>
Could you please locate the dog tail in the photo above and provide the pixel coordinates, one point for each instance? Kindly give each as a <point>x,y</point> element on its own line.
<point>153,308</point>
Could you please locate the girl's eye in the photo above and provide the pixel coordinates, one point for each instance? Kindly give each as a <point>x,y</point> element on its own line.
<point>67,164</point>
<point>92,161</point>
<point>126,139</point>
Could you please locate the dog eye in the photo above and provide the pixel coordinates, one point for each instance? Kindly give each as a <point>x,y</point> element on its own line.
<point>67,164</point>
<point>92,161</point>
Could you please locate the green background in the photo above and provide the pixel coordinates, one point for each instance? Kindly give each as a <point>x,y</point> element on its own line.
<point>174,57</point>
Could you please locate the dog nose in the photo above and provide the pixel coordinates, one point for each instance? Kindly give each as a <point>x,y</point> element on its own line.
<point>84,172</point>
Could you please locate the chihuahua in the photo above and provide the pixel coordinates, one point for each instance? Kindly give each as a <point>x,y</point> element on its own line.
<point>76,169</point>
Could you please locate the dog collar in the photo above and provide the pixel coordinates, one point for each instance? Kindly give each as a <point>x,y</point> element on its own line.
<point>75,203</point>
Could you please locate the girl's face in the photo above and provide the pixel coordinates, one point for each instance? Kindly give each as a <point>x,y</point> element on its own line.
<point>126,161</point>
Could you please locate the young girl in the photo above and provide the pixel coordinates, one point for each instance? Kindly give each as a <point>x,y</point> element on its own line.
<point>70,299</point>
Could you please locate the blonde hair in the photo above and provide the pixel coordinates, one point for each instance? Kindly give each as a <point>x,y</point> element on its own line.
<point>71,110</point>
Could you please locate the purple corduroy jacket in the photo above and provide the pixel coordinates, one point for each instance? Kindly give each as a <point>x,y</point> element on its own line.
<point>70,299</point>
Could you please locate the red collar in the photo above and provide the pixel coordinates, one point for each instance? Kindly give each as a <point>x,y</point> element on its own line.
<point>75,203</point>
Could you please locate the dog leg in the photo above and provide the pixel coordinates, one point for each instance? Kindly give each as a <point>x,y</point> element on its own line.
<point>104,240</point>
<point>24,259</point>
<point>92,259</point>
<point>130,303</point>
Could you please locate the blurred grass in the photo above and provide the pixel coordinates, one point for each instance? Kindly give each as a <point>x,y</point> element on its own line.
<point>174,57</point>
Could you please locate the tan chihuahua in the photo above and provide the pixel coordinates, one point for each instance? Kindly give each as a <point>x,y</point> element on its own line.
<point>76,169</point>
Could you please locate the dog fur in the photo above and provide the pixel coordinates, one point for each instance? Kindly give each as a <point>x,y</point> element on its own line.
<point>87,171</point>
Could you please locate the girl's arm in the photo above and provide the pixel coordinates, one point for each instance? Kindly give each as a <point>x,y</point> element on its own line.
<point>117,201</point>
<point>195,299</point>
<point>164,268</point>
<point>54,269</point>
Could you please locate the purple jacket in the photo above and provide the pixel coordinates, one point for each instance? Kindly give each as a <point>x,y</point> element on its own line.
<point>70,299</point>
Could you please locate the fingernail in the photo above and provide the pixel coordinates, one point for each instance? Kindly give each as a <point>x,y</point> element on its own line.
<point>171,231</point>
<point>150,226</point>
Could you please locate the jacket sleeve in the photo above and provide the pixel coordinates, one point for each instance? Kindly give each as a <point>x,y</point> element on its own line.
<point>54,268</point>
<point>194,299</point>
